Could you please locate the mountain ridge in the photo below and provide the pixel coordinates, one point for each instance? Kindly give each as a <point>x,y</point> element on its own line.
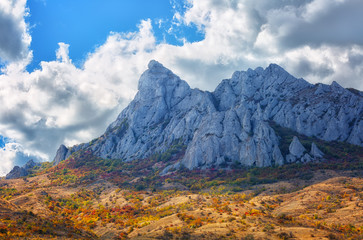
<point>230,124</point>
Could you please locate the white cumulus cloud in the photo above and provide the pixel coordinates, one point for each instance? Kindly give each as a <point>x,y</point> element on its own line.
<point>14,37</point>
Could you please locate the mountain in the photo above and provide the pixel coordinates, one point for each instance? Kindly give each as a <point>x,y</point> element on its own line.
<point>23,171</point>
<point>232,125</point>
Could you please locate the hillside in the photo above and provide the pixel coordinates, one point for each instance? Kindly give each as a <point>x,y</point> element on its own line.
<point>100,198</point>
<point>325,204</point>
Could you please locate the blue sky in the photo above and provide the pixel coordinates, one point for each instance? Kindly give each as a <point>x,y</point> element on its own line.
<point>67,68</point>
<point>3,141</point>
<point>86,24</point>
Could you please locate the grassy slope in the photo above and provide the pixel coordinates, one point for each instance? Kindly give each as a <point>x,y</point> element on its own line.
<point>110,198</point>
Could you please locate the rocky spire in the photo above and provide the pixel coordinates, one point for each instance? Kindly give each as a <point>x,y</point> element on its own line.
<point>296,148</point>
<point>161,85</point>
<point>60,155</point>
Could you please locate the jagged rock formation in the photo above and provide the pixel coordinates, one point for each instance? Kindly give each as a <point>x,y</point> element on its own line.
<point>296,148</point>
<point>298,153</point>
<point>18,172</point>
<point>315,151</point>
<point>61,154</point>
<point>231,124</point>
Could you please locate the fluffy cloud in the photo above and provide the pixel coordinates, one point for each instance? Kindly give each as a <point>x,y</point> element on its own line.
<point>319,40</point>
<point>320,22</point>
<point>14,38</point>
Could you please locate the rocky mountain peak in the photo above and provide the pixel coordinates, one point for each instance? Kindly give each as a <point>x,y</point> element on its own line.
<point>61,154</point>
<point>231,125</point>
<point>336,85</point>
<point>161,86</point>
<point>155,66</point>
<point>157,76</point>
<point>271,70</point>
<point>23,171</point>
<point>275,68</point>
<point>30,164</point>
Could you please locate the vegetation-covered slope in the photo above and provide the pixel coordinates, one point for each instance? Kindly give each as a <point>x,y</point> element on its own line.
<point>89,197</point>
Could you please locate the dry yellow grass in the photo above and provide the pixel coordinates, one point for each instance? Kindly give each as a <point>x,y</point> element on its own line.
<point>325,209</point>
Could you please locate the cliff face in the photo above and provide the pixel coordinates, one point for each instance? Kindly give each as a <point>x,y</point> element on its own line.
<point>231,124</point>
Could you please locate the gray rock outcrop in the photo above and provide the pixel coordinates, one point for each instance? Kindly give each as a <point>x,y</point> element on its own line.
<point>315,151</point>
<point>60,155</point>
<point>231,124</point>
<point>18,172</point>
<point>298,153</point>
<point>296,149</point>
